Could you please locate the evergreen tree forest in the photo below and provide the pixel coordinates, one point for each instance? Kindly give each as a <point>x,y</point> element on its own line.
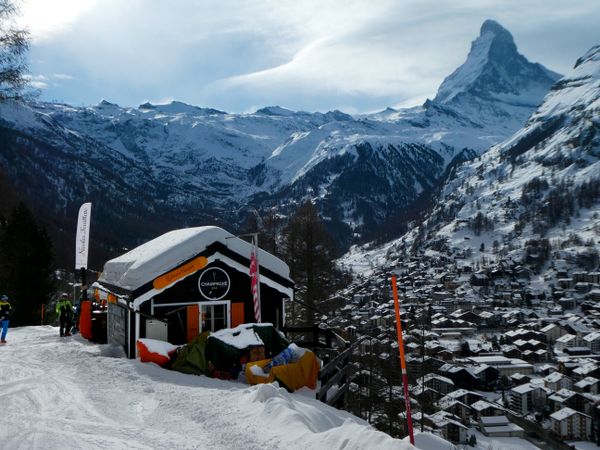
<point>26,265</point>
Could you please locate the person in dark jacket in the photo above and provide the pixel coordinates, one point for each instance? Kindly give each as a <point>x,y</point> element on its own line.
<point>64,309</point>
<point>4,316</point>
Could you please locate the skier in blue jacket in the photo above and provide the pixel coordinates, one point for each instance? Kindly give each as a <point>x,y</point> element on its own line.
<point>4,316</point>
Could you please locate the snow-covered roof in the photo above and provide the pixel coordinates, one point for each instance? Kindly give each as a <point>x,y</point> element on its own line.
<point>480,405</point>
<point>587,381</point>
<point>494,420</point>
<point>564,413</point>
<point>594,336</point>
<point>566,338</point>
<point>166,252</point>
<point>524,388</point>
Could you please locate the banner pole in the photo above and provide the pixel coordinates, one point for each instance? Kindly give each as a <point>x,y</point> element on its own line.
<point>403,362</point>
<point>257,274</point>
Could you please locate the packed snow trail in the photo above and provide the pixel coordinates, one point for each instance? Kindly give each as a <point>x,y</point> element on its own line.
<point>66,393</point>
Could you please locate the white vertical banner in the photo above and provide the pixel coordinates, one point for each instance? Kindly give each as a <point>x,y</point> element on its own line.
<point>83,236</point>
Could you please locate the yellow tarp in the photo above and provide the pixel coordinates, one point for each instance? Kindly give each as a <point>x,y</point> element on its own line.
<point>295,375</point>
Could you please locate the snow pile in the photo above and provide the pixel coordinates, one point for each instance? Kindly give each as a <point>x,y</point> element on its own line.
<point>242,336</point>
<point>62,393</point>
<point>429,441</point>
<point>313,426</point>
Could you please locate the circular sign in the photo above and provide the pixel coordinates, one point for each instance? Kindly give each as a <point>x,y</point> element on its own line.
<point>214,283</point>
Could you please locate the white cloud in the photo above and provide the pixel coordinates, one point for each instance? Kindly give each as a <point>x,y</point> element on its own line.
<point>62,76</point>
<point>37,81</point>
<point>45,18</point>
<point>302,54</point>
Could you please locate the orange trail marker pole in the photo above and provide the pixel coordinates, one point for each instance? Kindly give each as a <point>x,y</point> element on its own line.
<point>42,314</point>
<point>403,362</point>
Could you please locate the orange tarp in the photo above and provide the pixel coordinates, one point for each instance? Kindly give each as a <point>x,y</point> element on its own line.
<point>85,319</point>
<point>147,356</point>
<point>295,375</point>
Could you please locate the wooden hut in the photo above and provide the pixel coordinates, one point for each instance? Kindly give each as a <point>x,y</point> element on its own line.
<point>188,281</point>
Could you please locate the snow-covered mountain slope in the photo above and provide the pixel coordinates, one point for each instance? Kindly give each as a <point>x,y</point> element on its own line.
<point>65,393</point>
<point>177,164</point>
<point>537,192</point>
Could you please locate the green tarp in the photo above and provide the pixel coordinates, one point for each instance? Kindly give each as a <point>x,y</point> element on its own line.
<point>191,358</point>
<point>203,355</point>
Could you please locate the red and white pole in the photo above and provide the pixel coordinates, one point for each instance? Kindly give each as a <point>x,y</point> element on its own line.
<point>403,362</point>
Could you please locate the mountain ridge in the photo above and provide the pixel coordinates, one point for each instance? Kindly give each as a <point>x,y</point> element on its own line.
<point>200,165</point>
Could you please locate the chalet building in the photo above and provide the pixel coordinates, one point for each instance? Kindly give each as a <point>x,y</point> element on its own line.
<point>593,277</point>
<point>483,408</point>
<point>571,425</point>
<point>588,369</point>
<point>553,332</point>
<point>565,283</point>
<point>499,426</point>
<point>567,341</point>
<point>467,316</point>
<point>424,395</point>
<point>518,379</point>
<point>479,279</point>
<point>462,377</point>
<point>463,395</point>
<point>449,426</point>
<point>439,383</point>
<point>527,398</point>
<point>575,327</point>
<point>457,408</point>
<point>594,295</point>
<point>506,366</point>
<point>588,385</point>
<point>592,341</point>
<point>566,398</point>
<point>557,381</point>
<point>188,281</point>
<point>488,375</point>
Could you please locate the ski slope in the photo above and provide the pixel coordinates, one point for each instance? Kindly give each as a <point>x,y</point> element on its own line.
<point>66,393</point>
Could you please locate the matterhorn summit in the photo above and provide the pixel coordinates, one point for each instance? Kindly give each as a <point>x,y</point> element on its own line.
<point>496,79</point>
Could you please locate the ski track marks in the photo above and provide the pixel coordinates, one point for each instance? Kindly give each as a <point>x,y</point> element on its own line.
<point>61,393</point>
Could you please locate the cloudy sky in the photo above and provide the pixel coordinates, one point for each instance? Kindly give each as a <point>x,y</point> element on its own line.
<point>314,55</point>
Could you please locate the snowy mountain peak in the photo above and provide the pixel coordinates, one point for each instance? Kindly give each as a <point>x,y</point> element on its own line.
<point>591,60</point>
<point>577,91</point>
<point>176,107</point>
<point>494,70</point>
<point>275,111</point>
<point>493,27</point>
<point>106,103</point>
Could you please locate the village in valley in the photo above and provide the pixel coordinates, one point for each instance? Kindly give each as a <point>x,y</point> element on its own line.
<point>498,350</point>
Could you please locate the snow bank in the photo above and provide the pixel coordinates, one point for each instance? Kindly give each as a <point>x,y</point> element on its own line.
<point>429,441</point>
<point>63,393</point>
<point>311,425</point>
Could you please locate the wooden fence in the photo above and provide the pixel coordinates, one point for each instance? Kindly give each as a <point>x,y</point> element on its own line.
<point>335,352</point>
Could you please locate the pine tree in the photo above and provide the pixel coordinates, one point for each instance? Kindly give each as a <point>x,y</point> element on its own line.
<point>309,253</point>
<point>26,274</point>
<point>14,43</point>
